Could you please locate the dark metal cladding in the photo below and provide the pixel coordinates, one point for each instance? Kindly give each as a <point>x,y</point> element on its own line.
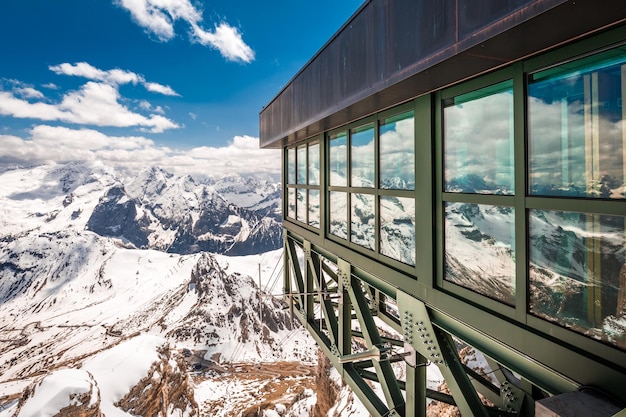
<point>391,51</point>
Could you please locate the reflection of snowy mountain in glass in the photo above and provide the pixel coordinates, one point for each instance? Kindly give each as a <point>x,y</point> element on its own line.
<point>480,249</point>
<point>397,228</point>
<point>578,272</point>
<point>338,210</point>
<point>362,220</point>
<point>475,184</point>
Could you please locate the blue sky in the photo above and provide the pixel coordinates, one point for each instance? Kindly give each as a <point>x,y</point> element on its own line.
<point>163,82</point>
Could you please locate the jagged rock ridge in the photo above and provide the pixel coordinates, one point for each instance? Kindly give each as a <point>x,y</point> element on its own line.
<point>179,215</point>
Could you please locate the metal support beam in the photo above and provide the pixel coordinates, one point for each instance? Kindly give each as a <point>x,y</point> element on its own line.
<point>327,310</point>
<point>387,378</point>
<point>330,299</point>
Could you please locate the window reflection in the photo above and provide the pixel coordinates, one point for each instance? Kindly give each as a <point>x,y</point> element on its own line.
<point>478,141</point>
<point>338,157</point>
<point>362,156</point>
<point>397,228</point>
<point>577,142</point>
<point>362,231</point>
<point>397,149</point>
<point>291,203</point>
<point>302,164</point>
<point>480,249</point>
<point>314,208</point>
<point>291,166</point>
<point>301,209</point>
<point>339,214</point>
<point>578,272</point>
<point>314,164</point>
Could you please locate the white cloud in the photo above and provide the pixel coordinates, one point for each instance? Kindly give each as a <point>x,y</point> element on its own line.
<point>94,104</point>
<point>162,89</point>
<point>83,69</point>
<point>235,158</point>
<point>28,92</point>
<point>157,17</point>
<point>147,106</point>
<point>113,77</point>
<point>227,40</point>
<point>53,144</point>
<point>193,115</point>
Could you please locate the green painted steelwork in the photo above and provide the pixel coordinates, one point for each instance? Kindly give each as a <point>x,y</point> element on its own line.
<point>549,358</point>
<point>358,299</point>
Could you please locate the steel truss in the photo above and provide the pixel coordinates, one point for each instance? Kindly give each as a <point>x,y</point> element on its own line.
<point>381,341</point>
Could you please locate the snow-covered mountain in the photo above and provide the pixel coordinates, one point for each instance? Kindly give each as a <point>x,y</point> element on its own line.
<point>152,210</point>
<point>79,302</point>
<point>96,318</point>
<point>178,214</point>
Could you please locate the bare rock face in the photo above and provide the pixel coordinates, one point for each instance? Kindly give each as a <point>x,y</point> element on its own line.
<point>327,390</point>
<point>166,388</point>
<point>230,309</point>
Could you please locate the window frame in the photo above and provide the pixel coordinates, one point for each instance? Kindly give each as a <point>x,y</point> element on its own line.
<point>521,201</point>
<point>442,197</point>
<point>375,191</point>
<point>306,187</point>
<point>584,205</point>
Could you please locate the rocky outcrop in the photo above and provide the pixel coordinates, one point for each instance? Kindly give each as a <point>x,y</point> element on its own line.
<point>165,389</point>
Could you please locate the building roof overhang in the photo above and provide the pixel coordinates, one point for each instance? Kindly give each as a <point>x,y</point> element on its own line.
<point>392,52</point>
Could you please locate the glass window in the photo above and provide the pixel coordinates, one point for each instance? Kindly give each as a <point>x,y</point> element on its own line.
<point>291,203</point>
<point>301,208</point>
<point>314,208</point>
<point>302,164</point>
<point>362,231</point>
<point>362,156</point>
<point>577,272</point>
<point>339,214</point>
<point>480,249</point>
<point>291,166</point>
<point>478,141</point>
<point>314,164</point>
<point>577,143</point>
<point>338,159</point>
<point>397,149</point>
<point>397,228</point>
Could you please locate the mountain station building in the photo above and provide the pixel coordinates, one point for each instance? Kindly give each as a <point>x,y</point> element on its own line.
<point>454,192</point>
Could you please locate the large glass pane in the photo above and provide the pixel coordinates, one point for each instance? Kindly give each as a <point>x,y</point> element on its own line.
<point>314,208</point>
<point>578,272</point>
<point>291,166</point>
<point>480,249</point>
<point>302,164</point>
<point>397,149</point>
<point>577,140</point>
<point>301,208</point>
<point>363,220</point>
<point>339,214</point>
<point>397,228</point>
<point>478,141</point>
<point>362,156</point>
<point>338,159</point>
<point>314,164</point>
<point>291,203</point>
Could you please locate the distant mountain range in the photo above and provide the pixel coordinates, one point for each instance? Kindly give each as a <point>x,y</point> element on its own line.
<point>152,210</point>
